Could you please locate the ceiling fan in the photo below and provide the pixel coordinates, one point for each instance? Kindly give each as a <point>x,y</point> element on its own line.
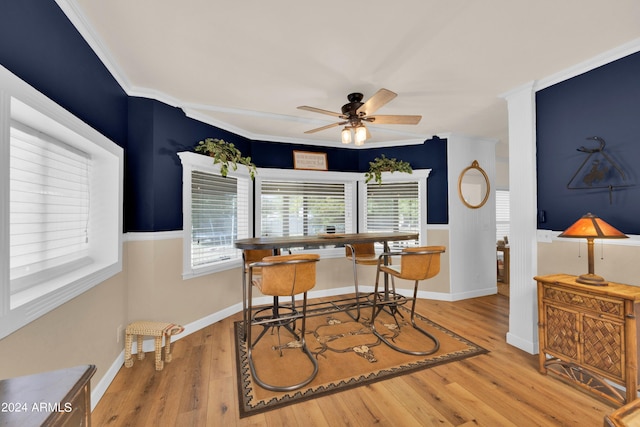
<point>355,113</point>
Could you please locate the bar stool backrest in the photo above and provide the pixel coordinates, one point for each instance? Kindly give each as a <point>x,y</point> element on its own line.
<point>284,275</point>
<point>362,250</point>
<point>255,255</point>
<point>421,266</point>
<point>365,253</point>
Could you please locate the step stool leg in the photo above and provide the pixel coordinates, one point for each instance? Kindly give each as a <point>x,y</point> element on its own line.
<point>167,348</point>
<point>140,350</point>
<point>128,360</point>
<point>159,363</point>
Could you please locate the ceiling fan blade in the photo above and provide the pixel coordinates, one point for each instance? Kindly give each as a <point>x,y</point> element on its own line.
<point>332,125</point>
<point>378,99</point>
<point>394,120</point>
<point>319,110</point>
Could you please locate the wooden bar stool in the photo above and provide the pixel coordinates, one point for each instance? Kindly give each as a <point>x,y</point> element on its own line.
<point>282,275</point>
<point>360,254</point>
<point>250,256</point>
<point>416,264</point>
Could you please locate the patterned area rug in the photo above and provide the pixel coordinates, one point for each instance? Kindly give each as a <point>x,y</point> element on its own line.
<point>348,353</point>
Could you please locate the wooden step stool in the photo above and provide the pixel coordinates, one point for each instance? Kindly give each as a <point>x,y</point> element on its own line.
<point>151,329</point>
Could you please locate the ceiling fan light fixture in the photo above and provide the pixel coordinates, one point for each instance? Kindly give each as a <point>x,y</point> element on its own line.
<point>361,135</point>
<point>346,135</point>
<point>356,112</point>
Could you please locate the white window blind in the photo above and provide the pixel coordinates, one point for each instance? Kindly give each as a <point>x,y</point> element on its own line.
<point>61,209</point>
<point>502,214</point>
<point>393,207</point>
<point>219,209</point>
<point>48,207</point>
<point>290,208</point>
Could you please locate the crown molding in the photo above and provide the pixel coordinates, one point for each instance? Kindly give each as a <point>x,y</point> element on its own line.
<point>197,114</point>
<point>590,64</point>
<point>576,70</point>
<point>74,13</point>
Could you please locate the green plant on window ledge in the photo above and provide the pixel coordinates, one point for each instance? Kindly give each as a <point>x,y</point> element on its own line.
<point>384,164</point>
<point>226,154</point>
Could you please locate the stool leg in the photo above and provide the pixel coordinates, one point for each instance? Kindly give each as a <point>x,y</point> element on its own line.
<point>140,351</point>
<point>167,348</point>
<point>128,342</point>
<point>159,363</point>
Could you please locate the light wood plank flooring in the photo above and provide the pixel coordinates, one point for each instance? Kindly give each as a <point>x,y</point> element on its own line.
<point>502,388</point>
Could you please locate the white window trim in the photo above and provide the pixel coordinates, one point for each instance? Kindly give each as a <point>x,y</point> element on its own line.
<point>19,310</point>
<point>193,161</point>
<point>197,162</point>
<point>310,176</point>
<point>419,175</point>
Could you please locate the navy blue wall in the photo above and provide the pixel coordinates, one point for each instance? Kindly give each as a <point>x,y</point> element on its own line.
<point>157,132</point>
<point>432,154</point>
<point>40,45</point>
<point>153,193</point>
<point>280,155</point>
<point>604,102</point>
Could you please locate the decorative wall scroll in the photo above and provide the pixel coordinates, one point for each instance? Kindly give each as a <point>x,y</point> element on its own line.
<point>309,160</point>
<point>598,170</point>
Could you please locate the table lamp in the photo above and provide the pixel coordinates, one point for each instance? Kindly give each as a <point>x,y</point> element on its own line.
<point>591,227</point>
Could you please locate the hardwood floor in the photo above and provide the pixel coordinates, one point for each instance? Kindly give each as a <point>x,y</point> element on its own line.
<point>502,388</point>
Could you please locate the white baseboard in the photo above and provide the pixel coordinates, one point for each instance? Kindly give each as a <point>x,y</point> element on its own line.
<point>100,388</point>
<point>148,345</point>
<point>516,341</point>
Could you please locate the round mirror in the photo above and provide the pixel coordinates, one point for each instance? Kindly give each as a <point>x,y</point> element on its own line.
<point>473,186</point>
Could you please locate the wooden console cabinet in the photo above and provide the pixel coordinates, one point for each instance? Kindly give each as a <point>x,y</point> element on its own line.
<point>55,398</point>
<point>589,335</point>
<point>625,416</point>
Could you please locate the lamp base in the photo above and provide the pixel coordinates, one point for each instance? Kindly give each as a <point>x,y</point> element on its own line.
<point>592,279</point>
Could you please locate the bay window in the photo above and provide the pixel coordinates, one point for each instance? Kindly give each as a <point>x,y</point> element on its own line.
<point>304,203</point>
<point>398,204</point>
<point>291,208</point>
<point>216,212</point>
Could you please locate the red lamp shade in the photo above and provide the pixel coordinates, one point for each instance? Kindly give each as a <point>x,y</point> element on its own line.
<point>591,227</point>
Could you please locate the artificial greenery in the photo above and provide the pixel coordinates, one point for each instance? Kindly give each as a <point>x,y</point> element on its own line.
<point>226,154</point>
<point>383,164</point>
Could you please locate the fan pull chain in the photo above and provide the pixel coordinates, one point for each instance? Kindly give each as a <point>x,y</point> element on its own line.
<point>579,246</point>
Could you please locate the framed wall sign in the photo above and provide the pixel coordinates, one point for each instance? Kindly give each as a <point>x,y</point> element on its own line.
<point>309,160</point>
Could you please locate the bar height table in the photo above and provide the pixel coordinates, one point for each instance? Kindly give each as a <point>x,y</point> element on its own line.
<point>283,242</point>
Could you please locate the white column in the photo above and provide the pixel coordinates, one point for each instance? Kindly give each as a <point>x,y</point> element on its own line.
<point>523,316</point>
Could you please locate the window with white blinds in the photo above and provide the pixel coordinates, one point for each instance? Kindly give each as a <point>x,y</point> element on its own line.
<point>502,214</point>
<point>48,207</point>
<point>393,207</point>
<point>294,208</point>
<point>219,209</point>
<point>61,198</point>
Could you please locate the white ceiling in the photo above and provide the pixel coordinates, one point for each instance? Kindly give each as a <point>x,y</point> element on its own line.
<point>245,65</point>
